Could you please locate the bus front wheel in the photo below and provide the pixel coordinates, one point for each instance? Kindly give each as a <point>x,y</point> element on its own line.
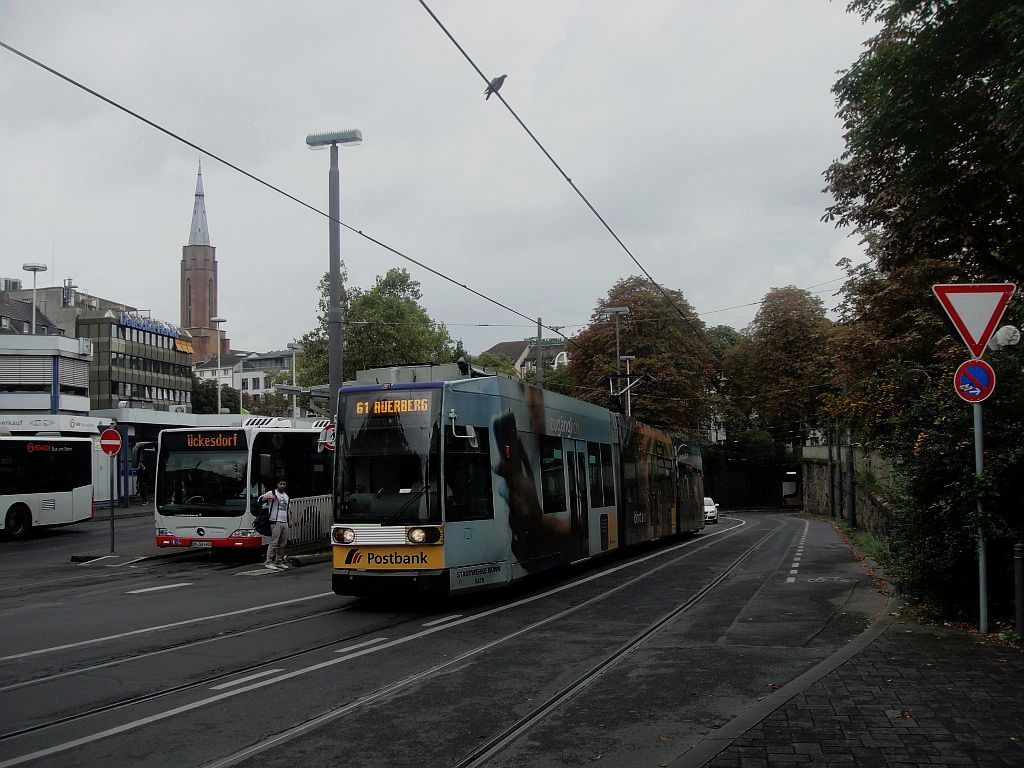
<point>19,522</point>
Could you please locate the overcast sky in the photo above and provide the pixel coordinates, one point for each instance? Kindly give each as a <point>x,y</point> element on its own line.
<point>698,128</point>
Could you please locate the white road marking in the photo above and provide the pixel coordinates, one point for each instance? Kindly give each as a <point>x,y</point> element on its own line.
<point>157,589</point>
<point>361,645</point>
<point>124,727</point>
<point>159,627</point>
<point>97,559</point>
<point>241,680</point>
<point>442,621</point>
<point>795,565</point>
<point>258,572</point>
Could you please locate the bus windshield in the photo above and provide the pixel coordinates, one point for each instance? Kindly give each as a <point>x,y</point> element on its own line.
<point>205,474</point>
<point>388,464</point>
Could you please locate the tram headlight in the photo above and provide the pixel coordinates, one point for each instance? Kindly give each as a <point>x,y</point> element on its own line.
<point>343,535</point>
<point>417,535</point>
<point>424,535</point>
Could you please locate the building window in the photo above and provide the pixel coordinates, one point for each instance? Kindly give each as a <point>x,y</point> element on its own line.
<point>245,384</point>
<point>256,382</point>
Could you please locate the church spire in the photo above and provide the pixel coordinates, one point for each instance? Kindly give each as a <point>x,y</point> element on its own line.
<point>200,234</point>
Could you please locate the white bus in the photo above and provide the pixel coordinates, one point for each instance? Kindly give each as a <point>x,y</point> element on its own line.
<point>44,481</point>
<point>208,481</point>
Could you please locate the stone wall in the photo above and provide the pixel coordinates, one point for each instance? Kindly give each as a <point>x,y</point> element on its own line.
<point>871,514</point>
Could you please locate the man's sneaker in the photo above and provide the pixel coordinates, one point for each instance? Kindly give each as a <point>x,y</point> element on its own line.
<point>285,565</point>
<point>272,566</point>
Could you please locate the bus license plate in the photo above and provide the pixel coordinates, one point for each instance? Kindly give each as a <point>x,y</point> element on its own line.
<point>202,543</point>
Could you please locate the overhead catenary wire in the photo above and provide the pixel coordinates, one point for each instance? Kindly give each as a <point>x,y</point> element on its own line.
<point>571,183</point>
<point>263,182</point>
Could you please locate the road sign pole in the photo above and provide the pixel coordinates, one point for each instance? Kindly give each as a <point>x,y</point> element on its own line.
<point>113,474</point>
<point>979,465</point>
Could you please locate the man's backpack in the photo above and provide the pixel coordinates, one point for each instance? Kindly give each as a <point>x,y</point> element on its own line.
<point>262,522</point>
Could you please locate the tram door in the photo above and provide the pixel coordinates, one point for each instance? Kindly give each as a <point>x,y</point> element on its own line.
<point>579,496</point>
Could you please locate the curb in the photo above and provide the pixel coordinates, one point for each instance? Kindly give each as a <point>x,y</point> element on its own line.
<point>310,559</point>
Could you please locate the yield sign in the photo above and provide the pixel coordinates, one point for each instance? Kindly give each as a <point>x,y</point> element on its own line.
<point>975,310</point>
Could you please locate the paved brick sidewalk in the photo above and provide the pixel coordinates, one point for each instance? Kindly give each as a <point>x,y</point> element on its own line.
<point>918,695</point>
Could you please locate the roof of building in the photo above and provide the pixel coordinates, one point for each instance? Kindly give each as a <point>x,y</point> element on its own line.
<point>513,350</point>
<point>21,311</point>
<point>225,361</point>
<point>200,234</point>
<point>510,349</point>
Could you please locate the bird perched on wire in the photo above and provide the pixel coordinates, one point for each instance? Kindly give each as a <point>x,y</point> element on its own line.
<point>495,86</point>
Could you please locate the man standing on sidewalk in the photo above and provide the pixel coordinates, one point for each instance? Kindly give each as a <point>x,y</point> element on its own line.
<point>280,523</point>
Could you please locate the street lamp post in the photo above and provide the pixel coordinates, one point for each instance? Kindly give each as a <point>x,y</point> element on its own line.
<point>615,312</point>
<point>215,322</point>
<point>335,329</point>
<point>35,269</point>
<point>295,402</point>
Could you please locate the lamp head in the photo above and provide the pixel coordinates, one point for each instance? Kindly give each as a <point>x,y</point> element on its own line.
<point>294,347</point>
<point>33,267</point>
<point>321,140</point>
<point>615,311</point>
<point>218,319</point>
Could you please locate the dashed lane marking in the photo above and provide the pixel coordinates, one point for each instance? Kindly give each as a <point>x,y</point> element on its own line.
<point>442,620</point>
<point>365,643</point>
<point>157,589</point>
<point>241,680</point>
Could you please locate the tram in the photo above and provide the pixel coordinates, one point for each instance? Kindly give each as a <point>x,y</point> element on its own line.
<point>450,486</point>
<point>209,480</point>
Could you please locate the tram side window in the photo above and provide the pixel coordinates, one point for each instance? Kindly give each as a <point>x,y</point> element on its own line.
<point>631,481</point>
<point>467,478</point>
<point>607,475</point>
<point>552,473</point>
<point>602,487</point>
<point>594,473</point>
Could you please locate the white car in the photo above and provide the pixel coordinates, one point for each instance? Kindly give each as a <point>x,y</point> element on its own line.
<point>710,510</point>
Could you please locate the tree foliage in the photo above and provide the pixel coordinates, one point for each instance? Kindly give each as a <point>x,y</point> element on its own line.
<point>384,325</point>
<point>780,364</point>
<point>671,353</point>
<point>933,113</point>
<point>931,179</point>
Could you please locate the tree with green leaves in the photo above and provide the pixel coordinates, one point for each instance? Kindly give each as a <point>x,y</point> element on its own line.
<point>933,113</point>
<point>931,179</point>
<point>384,325</point>
<point>781,363</point>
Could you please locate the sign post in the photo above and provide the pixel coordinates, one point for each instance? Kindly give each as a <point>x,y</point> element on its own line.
<point>110,443</point>
<point>975,310</point>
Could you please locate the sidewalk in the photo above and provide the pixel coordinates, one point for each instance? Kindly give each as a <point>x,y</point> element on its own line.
<point>148,550</point>
<point>902,694</point>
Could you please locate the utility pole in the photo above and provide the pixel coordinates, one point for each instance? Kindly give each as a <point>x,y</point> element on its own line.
<point>830,488</point>
<point>851,506</point>
<point>540,356</point>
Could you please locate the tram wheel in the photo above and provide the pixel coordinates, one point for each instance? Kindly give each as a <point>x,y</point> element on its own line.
<point>19,522</point>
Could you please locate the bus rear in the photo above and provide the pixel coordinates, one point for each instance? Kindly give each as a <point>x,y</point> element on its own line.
<point>44,481</point>
<point>203,493</point>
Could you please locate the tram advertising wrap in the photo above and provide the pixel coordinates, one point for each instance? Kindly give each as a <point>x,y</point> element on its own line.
<point>460,485</point>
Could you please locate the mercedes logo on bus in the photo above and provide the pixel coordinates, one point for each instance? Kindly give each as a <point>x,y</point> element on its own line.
<point>200,531</point>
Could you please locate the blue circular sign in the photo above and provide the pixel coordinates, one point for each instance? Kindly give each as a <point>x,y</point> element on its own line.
<point>974,380</point>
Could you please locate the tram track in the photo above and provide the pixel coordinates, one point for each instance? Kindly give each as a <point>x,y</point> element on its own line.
<point>132,700</point>
<point>538,714</point>
<point>384,691</point>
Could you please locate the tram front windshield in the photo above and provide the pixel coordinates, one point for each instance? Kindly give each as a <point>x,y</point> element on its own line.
<point>202,474</point>
<point>388,466</point>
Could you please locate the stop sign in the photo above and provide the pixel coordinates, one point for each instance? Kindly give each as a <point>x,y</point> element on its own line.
<point>110,442</point>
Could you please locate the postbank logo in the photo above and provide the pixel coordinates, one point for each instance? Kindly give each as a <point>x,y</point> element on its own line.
<point>389,558</point>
